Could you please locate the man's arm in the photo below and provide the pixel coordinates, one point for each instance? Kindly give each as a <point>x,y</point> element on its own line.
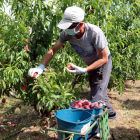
<point>103,60</point>
<point>49,55</point>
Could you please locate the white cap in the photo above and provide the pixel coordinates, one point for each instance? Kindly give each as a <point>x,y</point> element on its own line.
<point>71,15</point>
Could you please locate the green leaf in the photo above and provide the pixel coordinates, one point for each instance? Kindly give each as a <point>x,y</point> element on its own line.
<point>12,56</point>
<point>33,28</point>
<point>30,16</point>
<point>48,85</point>
<point>52,74</point>
<point>44,99</point>
<point>35,91</point>
<point>43,15</point>
<point>35,87</point>
<point>55,86</point>
<point>3,48</point>
<point>38,96</point>
<point>66,91</point>
<point>68,94</point>
<point>40,5</point>
<point>49,105</point>
<point>55,96</point>
<point>13,74</point>
<point>4,85</point>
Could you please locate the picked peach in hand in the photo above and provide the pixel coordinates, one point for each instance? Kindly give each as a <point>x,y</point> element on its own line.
<point>70,67</point>
<point>75,69</point>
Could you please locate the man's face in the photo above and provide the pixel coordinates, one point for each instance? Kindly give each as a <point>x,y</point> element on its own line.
<point>73,25</point>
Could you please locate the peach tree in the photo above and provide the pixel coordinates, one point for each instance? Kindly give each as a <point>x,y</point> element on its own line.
<point>120,21</point>
<point>24,41</point>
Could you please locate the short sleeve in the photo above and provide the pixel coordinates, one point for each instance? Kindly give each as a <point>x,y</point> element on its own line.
<point>63,37</point>
<point>100,41</point>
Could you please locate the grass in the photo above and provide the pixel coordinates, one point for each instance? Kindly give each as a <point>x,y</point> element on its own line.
<point>125,127</point>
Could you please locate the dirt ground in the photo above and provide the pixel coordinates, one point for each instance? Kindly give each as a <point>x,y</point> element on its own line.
<point>125,127</point>
<point>127,106</point>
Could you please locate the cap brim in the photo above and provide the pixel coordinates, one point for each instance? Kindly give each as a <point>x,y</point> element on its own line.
<point>63,24</point>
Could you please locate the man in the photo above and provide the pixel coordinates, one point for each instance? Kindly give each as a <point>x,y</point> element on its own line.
<point>90,43</point>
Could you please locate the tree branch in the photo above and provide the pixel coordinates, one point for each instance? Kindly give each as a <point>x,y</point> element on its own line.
<point>75,80</point>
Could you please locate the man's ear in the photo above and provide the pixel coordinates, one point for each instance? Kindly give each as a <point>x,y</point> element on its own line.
<point>81,23</point>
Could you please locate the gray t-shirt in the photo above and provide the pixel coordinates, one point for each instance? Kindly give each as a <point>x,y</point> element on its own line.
<point>86,46</point>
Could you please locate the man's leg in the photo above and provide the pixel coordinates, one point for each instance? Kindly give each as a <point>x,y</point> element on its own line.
<point>98,80</point>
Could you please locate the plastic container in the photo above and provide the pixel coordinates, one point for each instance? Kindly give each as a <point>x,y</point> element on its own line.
<point>96,112</point>
<point>77,121</point>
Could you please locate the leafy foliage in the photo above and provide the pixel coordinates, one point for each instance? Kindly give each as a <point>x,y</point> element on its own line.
<point>37,22</point>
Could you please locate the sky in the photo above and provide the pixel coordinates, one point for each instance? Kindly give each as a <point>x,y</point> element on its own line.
<point>7,9</point>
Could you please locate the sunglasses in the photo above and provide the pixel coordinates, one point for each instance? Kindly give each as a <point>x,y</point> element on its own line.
<point>71,27</point>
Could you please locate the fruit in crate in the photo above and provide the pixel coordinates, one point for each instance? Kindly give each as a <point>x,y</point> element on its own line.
<point>85,104</point>
<point>86,107</point>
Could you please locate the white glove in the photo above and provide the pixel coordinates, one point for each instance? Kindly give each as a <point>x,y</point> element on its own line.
<point>78,70</point>
<point>38,70</point>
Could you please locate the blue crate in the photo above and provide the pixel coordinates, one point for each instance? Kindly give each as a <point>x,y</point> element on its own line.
<point>74,121</point>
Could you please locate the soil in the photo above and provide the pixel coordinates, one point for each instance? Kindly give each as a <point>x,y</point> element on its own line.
<point>125,127</point>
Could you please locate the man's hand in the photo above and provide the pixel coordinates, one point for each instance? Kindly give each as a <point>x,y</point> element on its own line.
<point>38,70</point>
<point>78,70</point>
